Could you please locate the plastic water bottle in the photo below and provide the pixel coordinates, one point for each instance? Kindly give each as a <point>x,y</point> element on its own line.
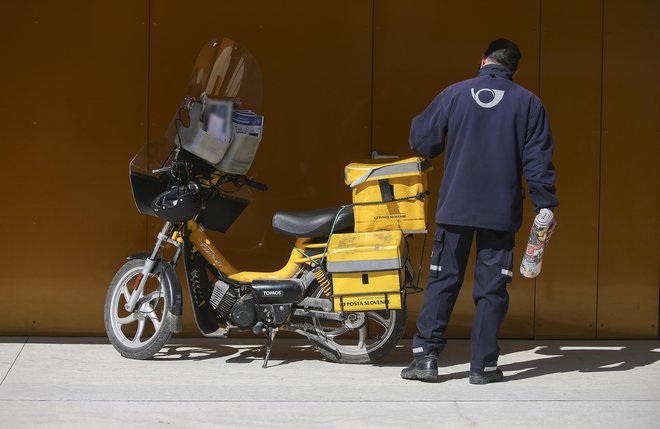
<point>531,263</point>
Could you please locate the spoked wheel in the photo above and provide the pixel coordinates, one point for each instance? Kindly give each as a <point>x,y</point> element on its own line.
<point>364,337</point>
<point>142,333</point>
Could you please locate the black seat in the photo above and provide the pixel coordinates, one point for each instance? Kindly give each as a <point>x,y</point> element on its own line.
<point>313,223</point>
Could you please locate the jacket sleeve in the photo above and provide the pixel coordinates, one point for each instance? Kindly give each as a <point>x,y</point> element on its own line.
<point>428,130</point>
<point>538,169</point>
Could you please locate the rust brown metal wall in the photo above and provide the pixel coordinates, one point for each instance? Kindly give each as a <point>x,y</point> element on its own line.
<point>570,77</point>
<point>315,58</point>
<point>85,84</point>
<point>630,145</point>
<point>74,108</point>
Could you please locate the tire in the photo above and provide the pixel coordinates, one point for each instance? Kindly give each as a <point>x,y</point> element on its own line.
<point>392,323</point>
<point>142,333</point>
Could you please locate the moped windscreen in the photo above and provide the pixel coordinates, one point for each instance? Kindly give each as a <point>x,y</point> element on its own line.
<point>224,74</point>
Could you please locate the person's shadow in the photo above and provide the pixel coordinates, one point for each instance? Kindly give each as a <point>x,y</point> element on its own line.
<point>564,357</point>
<point>590,357</point>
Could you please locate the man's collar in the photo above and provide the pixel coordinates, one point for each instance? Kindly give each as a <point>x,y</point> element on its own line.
<point>496,70</point>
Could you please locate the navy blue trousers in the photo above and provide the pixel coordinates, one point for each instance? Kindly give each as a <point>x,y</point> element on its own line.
<point>451,249</point>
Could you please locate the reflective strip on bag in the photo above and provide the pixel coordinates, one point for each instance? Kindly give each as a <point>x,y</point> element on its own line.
<point>365,265</point>
<point>408,167</point>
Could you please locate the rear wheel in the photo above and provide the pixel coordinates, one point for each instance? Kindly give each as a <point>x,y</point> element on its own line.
<point>364,337</point>
<point>142,333</point>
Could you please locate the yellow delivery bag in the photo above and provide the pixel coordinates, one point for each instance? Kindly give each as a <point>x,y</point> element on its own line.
<point>366,270</point>
<point>389,195</point>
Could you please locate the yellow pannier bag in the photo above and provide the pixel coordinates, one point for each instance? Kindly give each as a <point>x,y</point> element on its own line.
<point>389,195</point>
<point>366,270</point>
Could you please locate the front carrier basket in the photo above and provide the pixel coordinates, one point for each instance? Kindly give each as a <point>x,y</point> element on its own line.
<point>230,150</point>
<point>366,270</point>
<point>389,195</point>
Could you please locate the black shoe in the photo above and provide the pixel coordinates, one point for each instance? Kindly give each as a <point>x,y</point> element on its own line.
<point>486,377</point>
<point>423,368</point>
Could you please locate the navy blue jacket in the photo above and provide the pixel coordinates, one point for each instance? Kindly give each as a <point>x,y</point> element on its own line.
<point>497,131</point>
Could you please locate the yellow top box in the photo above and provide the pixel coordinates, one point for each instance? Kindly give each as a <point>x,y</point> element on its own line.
<point>365,251</point>
<point>359,172</point>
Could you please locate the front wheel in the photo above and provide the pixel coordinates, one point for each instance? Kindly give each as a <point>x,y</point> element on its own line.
<point>142,333</point>
<point>364,337</point>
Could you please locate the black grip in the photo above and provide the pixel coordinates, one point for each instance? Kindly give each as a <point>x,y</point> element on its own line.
<point>256,185</point>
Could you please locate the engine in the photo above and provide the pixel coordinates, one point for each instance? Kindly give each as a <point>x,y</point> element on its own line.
<point>223,298</point>
<point>269,301</point>
<point>244,312</point>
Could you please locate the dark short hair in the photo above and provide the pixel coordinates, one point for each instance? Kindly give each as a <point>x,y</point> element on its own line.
<point>505,52</point>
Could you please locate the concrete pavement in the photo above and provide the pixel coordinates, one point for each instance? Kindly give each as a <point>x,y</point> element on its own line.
<point>200,383</point>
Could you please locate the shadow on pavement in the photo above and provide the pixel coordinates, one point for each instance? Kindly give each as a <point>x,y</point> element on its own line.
<point>559,357</point>
<point>238,352</point>
<point>587,357</point>
<point>526,358</point>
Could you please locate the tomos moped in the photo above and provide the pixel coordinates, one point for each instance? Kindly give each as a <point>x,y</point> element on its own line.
<point>344,285</point>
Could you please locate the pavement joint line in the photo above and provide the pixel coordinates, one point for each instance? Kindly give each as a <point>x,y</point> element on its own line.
<point>15,359</point>
<point>423,401</point>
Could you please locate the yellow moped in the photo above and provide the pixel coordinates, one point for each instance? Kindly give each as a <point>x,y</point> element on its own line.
<point>343,287</point>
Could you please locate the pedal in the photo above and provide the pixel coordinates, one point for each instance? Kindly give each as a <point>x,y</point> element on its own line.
<point>259,328</point>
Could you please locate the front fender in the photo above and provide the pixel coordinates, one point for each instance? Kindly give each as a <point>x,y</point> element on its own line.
<point>140,255</point>
<point>171,286</point>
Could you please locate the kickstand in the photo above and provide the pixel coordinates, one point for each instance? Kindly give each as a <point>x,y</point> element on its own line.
<point>270,336</point>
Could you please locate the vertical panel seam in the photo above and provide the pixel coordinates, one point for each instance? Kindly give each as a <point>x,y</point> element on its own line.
<point>373,49</point>
<point>600,161</point>
<point>539,75</point>
<point>148,126</point>
<point>371,125</point>
<point>540,37</point>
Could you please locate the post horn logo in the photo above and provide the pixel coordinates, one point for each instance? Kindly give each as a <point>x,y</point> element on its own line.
<point>496,93</point>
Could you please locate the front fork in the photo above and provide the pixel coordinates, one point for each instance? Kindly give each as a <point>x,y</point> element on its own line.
<point>150,264</point>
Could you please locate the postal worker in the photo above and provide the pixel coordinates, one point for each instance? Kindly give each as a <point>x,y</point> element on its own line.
<point>492,132</point>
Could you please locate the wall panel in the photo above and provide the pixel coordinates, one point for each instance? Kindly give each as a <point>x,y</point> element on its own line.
<point>570,88</point>
<point>630,197</point>
<point>418,51</point>
<point>316,64</point>
<point>74,105</point>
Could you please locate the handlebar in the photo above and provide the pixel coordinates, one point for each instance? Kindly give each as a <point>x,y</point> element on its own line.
<point>236,179</point>
<point>254,184</point>
<point>240,181</point>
